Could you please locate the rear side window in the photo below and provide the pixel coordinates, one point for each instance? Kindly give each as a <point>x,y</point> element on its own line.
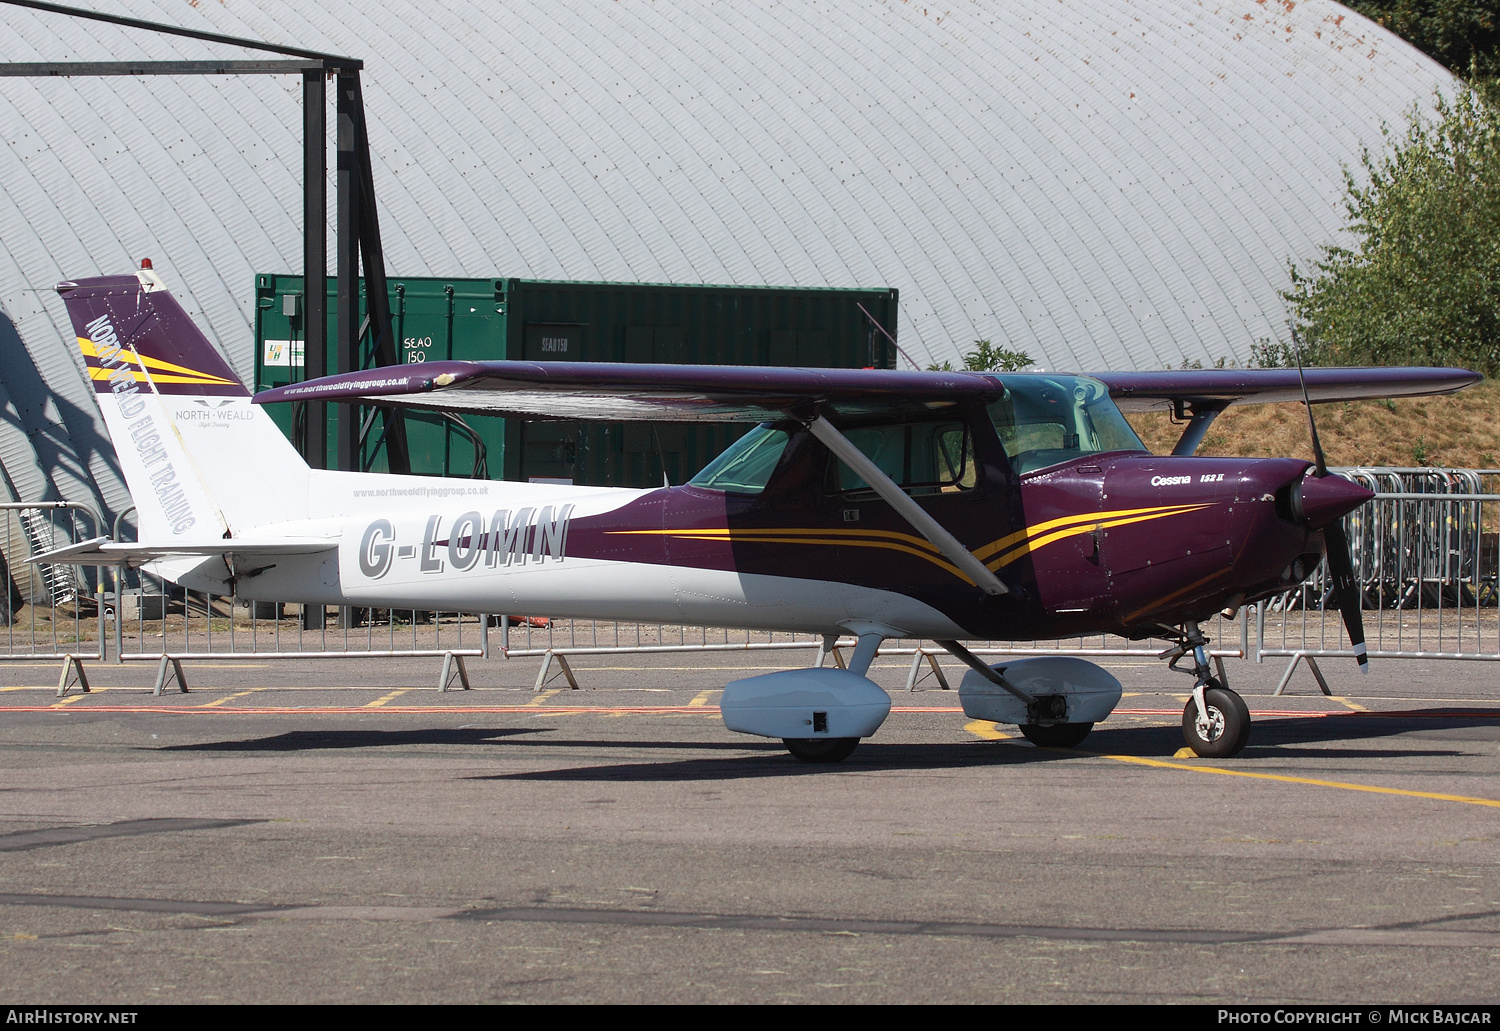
<point>922,457</point>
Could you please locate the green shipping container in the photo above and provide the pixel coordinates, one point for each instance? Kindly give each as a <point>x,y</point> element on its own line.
<point>541,320</point>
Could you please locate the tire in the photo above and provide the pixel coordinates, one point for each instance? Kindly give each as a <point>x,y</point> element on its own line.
<point>1230,719</point>
<point>1058,735</point>
<point>821,749</point>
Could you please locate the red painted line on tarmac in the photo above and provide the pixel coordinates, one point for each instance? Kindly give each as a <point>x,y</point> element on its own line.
<point>198,709</point>
<point>341,710</point>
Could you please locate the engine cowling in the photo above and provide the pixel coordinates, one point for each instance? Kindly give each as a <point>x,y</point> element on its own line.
<point>805,703</point>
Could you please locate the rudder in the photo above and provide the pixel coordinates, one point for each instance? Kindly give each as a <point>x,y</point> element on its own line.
<point>201,461</point>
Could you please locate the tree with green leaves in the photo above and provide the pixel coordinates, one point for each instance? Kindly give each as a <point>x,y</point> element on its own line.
<point>1462,35</point>
<point>986,357</point>
<point>1420,285</point>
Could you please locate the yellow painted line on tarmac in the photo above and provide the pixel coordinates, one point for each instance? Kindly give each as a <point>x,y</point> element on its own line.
<point>544,695</point>
<point>1353,705</point>
<point>229,698</point>
<point>769,667</point>
<point>68,701</point>
<point>986,730</point>
<point>1338,784</point>
<point>377,703</point>
<point>701,698</point>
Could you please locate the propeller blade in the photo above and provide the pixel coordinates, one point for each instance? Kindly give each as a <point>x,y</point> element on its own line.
<point>1346,592</point>
<point>1322,466</point>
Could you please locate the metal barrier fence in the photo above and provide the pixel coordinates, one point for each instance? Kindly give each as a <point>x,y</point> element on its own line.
<point>1426,554</point>
<point>555,641</point>
<point>1427,557</point>
<point>167,627</point>
<point>47,611</point>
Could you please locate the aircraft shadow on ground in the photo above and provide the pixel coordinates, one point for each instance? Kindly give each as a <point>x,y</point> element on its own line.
<point>320,740</point>
<point>1279,733</point>
<point>317,740</point>
<point>777,762</point>
<point>1302,738</point>
<point>1148,742</point>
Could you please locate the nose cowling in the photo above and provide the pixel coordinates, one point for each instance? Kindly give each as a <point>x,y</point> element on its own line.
<point>1318,501</point>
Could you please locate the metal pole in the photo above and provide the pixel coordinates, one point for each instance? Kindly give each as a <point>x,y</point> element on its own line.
<point>347,262</point>
<point>315,259</point>
<point>386,348</point>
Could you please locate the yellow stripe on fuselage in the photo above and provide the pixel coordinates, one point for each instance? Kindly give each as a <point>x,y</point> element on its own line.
<point>1086,519</point>
<point>724,533</point>
<point>174,373</point>
<point>1101,520</point>
<point>1012,546</point>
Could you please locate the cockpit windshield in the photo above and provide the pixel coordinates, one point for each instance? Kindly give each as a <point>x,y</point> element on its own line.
<point>747,466</point>
<point>1046,420</point>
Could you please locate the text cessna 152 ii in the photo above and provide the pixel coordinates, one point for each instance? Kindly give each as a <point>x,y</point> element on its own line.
<point>883,504</point>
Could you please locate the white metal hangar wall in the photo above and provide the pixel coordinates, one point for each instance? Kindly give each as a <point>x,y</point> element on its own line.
<point>1100,184</point>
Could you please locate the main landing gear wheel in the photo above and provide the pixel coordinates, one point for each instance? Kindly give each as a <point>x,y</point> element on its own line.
<point>821,749</point>
<point>1058,735</point>
<point>1228,728</point>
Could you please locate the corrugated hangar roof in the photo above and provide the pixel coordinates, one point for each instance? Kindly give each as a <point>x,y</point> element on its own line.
<point>1102,185</point>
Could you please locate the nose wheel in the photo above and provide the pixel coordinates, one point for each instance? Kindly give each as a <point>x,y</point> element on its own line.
<point>1223,729</point>
<point>1216,721</point>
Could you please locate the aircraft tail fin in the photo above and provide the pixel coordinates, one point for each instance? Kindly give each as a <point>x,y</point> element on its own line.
<point>201,461</point>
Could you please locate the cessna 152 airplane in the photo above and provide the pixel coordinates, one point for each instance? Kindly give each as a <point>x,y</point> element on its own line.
<point>883,504</point>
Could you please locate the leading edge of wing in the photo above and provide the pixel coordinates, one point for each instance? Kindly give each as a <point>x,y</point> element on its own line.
<point>1144,391</point>
<point>624,392</point>
<point>101,551</point>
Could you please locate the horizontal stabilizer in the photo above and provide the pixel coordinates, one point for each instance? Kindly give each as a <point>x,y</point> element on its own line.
<point>101,551</point>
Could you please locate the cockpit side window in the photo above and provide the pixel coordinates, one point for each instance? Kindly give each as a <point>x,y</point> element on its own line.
<point>1046,420</point>
<point>746,467</point>
<point>922,457</point>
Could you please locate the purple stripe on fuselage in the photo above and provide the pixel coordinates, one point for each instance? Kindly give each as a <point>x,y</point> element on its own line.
<point>1115,543</point>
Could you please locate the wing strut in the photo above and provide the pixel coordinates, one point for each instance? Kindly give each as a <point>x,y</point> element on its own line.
<point>909,510</point>
<point>985,670</point>
<point>1202,415</point>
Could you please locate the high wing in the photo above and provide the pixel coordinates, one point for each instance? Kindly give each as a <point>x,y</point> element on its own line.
<point>710,393</point>
<point>626,393</point>
<point>102,551</point>
<point>1219,388</point>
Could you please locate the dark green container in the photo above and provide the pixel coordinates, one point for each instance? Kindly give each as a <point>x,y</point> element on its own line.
<point>541,320</point>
